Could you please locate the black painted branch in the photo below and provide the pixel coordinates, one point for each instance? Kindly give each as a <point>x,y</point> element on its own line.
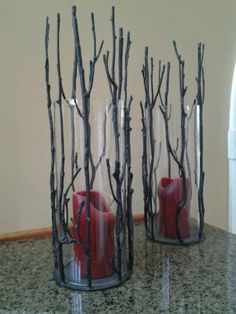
<point>182,170</point>
<point>152,81</point>
<point>160,79</point>
<point>80,242</point>
<point>78,51</point>
<point>74,75</point>
<point>95,55</point>
<point>145,73</point>
<point>113,90</point>
<point>71,104</point>
<point>61,95</point>
<point>111,82</point>
<point>119,218</point>
<point>195,148</point>
<point>113,43</point>
<point>200,102</point>
<point>155,179</point>
<point>152,140</point>
<point>78,109</point>
<point>110,180</point>
<point>49,105</point>
<point>129,182</point>
<point>144,167</point>
<point>121,172</point>
<point>120,58</point>
<point>86,105</point>
<point>127,50</point>
<point>85,114</point>
<point>173,152</point>
<point>71,184</point>
<point>61,90</point>
<point>115,124</point>
<point>166,114</point>
<point>57,249</point>
<point>127,103</point>
<point>148,135</point>
<point>73,97</point>
<point>56,166</point>
<point>68,238</point>
<point>91,79</point>
<point>59,101</point>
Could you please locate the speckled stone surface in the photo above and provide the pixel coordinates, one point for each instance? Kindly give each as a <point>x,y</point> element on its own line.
<point>167,279</point>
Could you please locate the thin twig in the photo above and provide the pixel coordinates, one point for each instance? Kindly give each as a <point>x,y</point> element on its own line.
<point>57,248</point>
<point>59,101</point>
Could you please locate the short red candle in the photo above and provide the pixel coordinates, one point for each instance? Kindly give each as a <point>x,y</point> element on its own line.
<point>102,222</point>
<point>170,193</point>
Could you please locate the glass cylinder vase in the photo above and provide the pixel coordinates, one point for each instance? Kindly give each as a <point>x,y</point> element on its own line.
<point>92,221</point>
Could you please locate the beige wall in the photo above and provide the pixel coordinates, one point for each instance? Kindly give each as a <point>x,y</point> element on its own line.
<point>24,142</point>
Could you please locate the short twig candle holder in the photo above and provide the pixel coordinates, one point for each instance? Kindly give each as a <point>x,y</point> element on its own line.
<point>90,176</point>
<point>172,160</point>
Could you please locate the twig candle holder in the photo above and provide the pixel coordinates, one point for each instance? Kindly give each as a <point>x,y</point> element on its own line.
<point>90,176</point>
<point>172,159</point>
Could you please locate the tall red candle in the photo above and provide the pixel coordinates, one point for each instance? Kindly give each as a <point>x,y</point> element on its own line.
<point>170,193</point>
<point>102,222</point>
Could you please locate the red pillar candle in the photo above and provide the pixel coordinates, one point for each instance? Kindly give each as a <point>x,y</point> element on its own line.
<point>170,193</point>
<point>102,222</point>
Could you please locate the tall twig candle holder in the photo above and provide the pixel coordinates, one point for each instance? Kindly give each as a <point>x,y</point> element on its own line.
<point>172,159</point>
<point>90,176</point>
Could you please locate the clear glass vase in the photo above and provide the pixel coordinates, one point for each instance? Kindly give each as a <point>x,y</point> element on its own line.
<point>94,219</point>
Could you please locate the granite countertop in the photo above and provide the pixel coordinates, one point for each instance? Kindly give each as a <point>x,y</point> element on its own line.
<point>167,279</point>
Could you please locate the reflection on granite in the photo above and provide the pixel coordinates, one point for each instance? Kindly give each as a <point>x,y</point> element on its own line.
<point>167,279</point>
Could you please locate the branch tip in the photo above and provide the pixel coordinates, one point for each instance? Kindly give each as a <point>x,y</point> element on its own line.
<point>74,10</point>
